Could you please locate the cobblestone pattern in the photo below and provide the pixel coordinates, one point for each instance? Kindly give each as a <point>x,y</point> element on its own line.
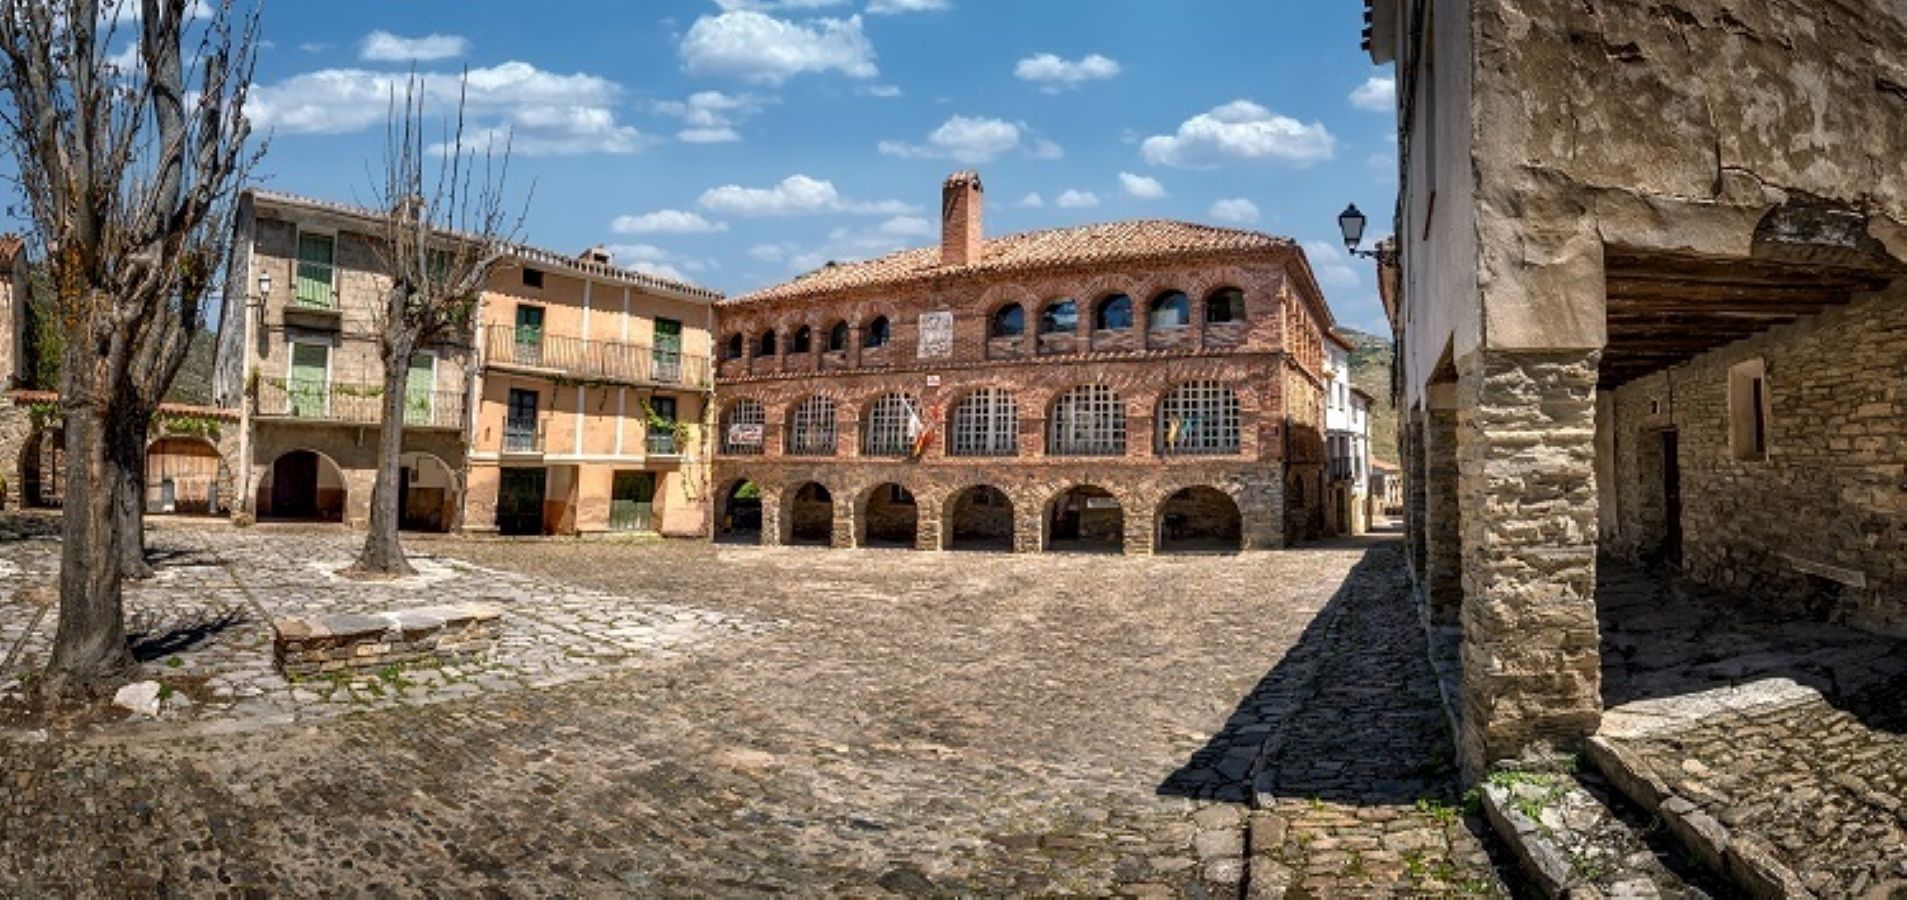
<point>203,623</point>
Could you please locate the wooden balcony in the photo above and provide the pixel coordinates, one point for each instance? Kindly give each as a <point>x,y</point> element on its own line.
<point>506,347</point>
<point>353,403</point>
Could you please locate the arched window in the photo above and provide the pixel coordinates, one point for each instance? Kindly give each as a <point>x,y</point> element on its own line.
<point>891,425</point>
<point>1199,417</point>
<point>803,341</point>
<point>1113,314</point>
<point>1225,305</point>
<point>811,428</point>
<point>838,337</point>
<point>767,345</point>
<point>985,423</point>
<point>1059,317</point>
<point>877,333</point>
<point>742,428</point>
<point>1089,420</point>
<point>1171,309</point>
<point>733,349</point>
<point>1008,321</point>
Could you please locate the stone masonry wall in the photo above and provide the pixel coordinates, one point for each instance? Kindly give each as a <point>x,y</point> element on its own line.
<point>1442,518</point>
<point>16,426</point>
<point>1820,525</point>
<point>1531,668</point>
<point>322,645</point>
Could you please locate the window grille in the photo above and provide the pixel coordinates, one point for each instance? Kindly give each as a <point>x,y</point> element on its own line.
<point>746,422</point>
<point>986,423</point>
<point>1089,420</point>
<point>811,429</point>
<point>893,422</point>
<point>1199,417</point>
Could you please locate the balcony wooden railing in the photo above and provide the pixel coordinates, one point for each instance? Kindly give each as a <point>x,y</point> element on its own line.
<point>355,403</point>
<point>592,359</point>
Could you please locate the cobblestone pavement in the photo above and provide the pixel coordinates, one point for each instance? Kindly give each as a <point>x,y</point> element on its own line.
<point>874,722</point>
<point>1791,733</point>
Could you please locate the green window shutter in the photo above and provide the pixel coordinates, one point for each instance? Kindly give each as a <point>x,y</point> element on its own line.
<point>316,254</point>
<point>308,387</point>
<point>419,399</point>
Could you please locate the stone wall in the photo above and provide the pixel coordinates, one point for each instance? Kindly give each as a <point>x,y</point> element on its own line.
<point>351,449</point>
<point>1820,525</point>
<point>16,428</point>
<point>306,647</point>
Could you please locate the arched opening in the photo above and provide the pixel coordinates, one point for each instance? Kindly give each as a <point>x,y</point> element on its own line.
<point>182,477</point>
<point>767,345</point>
<point>803,341</point>
<point>1169,310</point>
<point>1059,317</point>
<point>733,348</point>
<point>430,497</point>
<point>1008,321</point>
<point>1225,306</point>
<point>302,485</point>
<point>877,333</point>
<point>892,517</point>
<point>43,469</point>
<point>1200,519</point>
<point>1086,519</point>
<point>811,516</point>
<point>980,518</point>
<point>838,338</point>
<point>738,515</point>
<point>1114,313</point>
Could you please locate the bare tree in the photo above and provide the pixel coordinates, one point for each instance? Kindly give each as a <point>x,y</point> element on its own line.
<point>128,177</point>
<point>446,229</point>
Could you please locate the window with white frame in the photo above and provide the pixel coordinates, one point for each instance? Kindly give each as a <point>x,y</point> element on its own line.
<point>891,425</point>
<point>811,428</point>
<point>1199,417</point>
<point>986,423</point>
<point>743,435</point>
<point>1089,420</point>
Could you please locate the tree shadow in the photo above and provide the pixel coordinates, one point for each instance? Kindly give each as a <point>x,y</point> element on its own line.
<point>148,643</point>
<point>18,525</point>
<point>1665,636</point>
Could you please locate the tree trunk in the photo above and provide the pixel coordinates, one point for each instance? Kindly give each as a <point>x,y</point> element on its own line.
<point>382,553</point>
<point>89,647</point>
<point>128,457</point>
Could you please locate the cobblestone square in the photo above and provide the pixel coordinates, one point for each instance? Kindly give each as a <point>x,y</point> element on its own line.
<point>681,718</point>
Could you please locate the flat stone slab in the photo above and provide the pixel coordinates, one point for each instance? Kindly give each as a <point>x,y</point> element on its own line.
<point>363,626</point>
<point>346,642</point>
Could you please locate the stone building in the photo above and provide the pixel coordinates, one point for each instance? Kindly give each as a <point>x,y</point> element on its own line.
<point>1130,385</point>
<point>1347,441</point>
<point>1649,302</point>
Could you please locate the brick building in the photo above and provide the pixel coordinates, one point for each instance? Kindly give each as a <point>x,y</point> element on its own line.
<point>1133,385</point>
<point>1649,303</point>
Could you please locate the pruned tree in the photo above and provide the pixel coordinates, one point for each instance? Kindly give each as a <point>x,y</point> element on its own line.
<point>128,175</point>
<point>446,228</point>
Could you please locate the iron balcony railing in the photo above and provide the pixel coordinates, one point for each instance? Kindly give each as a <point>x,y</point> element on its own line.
<point>660,443</point>
<point>507,345</point>
<point>523,437</point>
<point>355,403</point>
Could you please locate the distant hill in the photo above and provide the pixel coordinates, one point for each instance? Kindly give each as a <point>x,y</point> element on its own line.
<point>1371,371</point>
<point>194,382</point>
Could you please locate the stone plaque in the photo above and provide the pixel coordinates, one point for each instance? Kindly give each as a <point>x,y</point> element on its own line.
<point>936,335</point>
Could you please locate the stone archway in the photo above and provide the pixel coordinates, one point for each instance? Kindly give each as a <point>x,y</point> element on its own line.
<point>890,517</point>
<point>43,469</point>
<point>302,485</point>
<point>810,515</point>
<point>738,513</point>
<point>432,493</point>
<point>1199,519</point>
<point>979,518</point>
<point>1085,518</point>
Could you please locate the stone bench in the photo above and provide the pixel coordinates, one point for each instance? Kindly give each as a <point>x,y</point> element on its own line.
<point>304,646</point>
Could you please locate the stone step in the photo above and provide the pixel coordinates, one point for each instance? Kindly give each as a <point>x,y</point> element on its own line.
<point>1575,836</point>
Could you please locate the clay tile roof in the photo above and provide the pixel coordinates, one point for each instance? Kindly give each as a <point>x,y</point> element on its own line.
<point>1142,239</point>
<point>10,246</point>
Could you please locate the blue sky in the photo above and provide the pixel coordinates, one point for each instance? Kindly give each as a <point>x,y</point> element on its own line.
<point>736,143</point>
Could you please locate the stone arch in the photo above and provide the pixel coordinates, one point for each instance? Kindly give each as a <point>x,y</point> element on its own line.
<point>1199,518</point>
<point>1077,518</point>
<point>43,468</point>
<point>183,474</point>
<point>739,504</point>
<point>302,484</point>
<point>887,514</point>
<point>978,517</point>
<point>1101,286</point>
<point>808,515</point>
<point>433,493</point>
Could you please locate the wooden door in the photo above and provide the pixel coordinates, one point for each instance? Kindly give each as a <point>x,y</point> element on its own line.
<point>632,501</point>
<point>520,501</point>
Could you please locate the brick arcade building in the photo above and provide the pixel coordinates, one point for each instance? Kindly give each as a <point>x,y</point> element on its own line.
<point>1132,385</point>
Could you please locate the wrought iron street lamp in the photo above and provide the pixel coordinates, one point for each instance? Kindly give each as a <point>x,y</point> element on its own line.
<point>1351,223</point>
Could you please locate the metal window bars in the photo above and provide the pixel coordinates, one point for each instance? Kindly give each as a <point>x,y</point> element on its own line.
<point>986,423</point>
<point>1199,418</point>
<point>893,422</point>
<point>811,428</point>
<point>743,435</point>
<point>1089,420</point>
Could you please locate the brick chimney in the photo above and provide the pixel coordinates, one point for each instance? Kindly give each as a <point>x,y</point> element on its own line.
<point>960,213</point>
<point>598,254</point>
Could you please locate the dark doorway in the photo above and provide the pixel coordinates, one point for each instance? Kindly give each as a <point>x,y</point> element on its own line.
<point>1086,518</point>
<point>632,501</point>
<point>980,518</point>
<point>811,516</point>
<point>739,518</point>
<point>892,516</point>
<point>520,501</point>
<point>1671,498</point>
<point>294,485</point>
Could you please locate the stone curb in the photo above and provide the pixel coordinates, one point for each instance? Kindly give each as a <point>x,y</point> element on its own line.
<point>1536,853</point>
<point>1744,860</point>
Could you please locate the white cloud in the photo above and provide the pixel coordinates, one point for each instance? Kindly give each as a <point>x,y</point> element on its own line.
<point>895,7</point>
<point>772,252</point>
<point>1378,93</point>
<point>973,140</point>
<point>633,253</point>
<point>763,5</point>
<point>710,117</point>
<point>793,196</point>
<point>545,112</point>
<point>383,46</point>
<point>756,47</point>
<point>1240,130</point>
<point>1045,149</point>
<point>659,270</point>
<point>1330,264</point>
<point>1033,200</point>
<point>1077,200</point>
<point>1237,210</point>
<point>666,221</point>
<point>1054,74</point>
<point>884,91</point>
<point>908,226</point>
<point>1140,186</point>
<point>848,244</point>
